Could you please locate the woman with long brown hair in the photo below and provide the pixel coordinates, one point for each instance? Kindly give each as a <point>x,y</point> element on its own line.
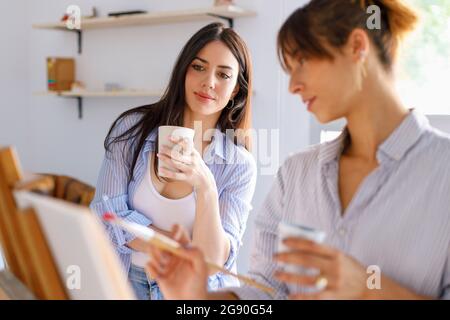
<point>208,186</point>
<point>380,191</point>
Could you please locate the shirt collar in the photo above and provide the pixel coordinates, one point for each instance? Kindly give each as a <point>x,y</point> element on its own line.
<point>395,146</point>
<point>149,144</point>
<point>152,135</point>
<point>404,136</point>
<point>331,150</point>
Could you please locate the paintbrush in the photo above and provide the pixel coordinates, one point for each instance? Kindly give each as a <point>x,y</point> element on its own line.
<point>165,243</point>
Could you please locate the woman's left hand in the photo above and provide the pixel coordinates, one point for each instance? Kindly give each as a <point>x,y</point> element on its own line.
<point>343,276</point>
<point>188,163</point>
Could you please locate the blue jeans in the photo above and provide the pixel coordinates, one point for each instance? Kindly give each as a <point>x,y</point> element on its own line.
<point>144,288</point>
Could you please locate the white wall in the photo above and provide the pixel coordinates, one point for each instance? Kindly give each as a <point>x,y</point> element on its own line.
<point>441,122</point>
<point>14,76</point>
<point>14,82</point>
<point>47,131</point>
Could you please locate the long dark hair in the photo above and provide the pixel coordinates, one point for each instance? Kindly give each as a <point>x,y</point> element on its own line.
<point>169,110</point>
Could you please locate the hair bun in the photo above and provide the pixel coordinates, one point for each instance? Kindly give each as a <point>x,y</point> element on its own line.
<point>401,17</point>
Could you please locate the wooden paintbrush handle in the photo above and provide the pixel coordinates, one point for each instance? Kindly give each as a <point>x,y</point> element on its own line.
<point>164,246</point>
<point>244,279</point>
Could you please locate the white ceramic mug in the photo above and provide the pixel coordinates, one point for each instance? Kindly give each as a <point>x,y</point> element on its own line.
<point>286,230</point>
<point>164,134</point>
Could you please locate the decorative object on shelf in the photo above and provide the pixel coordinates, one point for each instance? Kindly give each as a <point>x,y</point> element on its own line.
<point>60,73</point>
<point>223,2</point>
<point>126,13</point>
<point>77,86</point>
<point>112,87</point>
<point>94,14</point>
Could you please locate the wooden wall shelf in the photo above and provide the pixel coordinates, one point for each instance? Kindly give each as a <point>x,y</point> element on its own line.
<point>79,95</point>
<point>227,13</point>
<point>90,94</point>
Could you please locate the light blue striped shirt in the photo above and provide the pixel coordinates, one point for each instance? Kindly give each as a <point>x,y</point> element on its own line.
<point>399,218</point>
<point>232,166</point>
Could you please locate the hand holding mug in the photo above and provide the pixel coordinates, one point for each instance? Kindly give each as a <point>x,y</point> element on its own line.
<point>182,162</point>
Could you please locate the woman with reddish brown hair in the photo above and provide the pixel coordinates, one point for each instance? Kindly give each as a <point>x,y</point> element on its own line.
<point>380,191</point>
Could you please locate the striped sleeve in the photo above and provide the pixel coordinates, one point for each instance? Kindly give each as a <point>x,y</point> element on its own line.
<point>112,190</point>
<point>446,279</point>
<point>262,266</point>
<point>235,204</point>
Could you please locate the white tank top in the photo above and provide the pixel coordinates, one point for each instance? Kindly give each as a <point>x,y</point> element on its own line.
<point>163,212</point>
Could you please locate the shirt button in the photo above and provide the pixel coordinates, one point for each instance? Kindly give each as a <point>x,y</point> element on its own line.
<point>342,231</point>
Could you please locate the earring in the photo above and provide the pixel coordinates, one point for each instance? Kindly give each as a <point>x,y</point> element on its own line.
<point>362,54</point>
<point>232,104</point>
<point>361,70</point>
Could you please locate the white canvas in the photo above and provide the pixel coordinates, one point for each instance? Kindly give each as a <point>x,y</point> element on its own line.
<point>80,247</point>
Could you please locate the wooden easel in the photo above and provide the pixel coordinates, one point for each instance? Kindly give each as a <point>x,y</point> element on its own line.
<point>24,245</point>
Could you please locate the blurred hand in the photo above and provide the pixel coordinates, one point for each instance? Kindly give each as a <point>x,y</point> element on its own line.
<point>164,232</point>
<point>345,277</point>
<point>183,277</point>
